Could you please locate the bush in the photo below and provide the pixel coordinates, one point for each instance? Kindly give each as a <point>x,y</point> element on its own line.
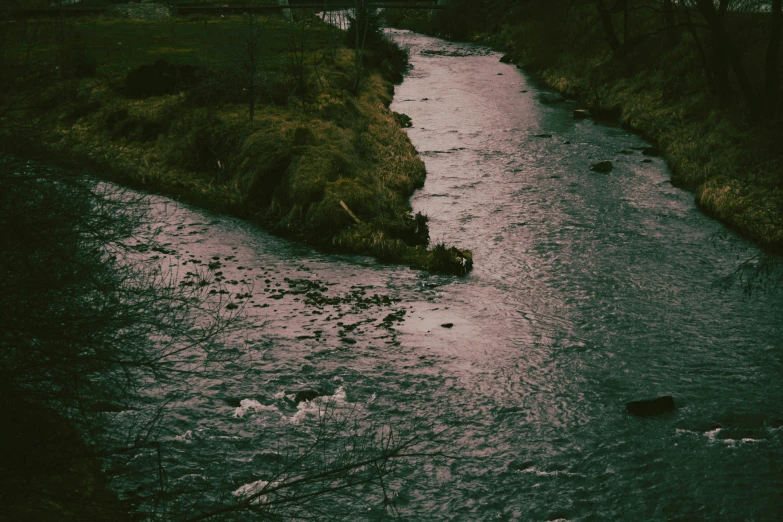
<point>161,78</point>
<point>205,144</point>
<point>460,20</point>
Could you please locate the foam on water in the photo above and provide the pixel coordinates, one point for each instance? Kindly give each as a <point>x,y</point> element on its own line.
<point>713,437</point>
<point>254,488</point>
<point>319,406</point>
<point>185,437</point>
<point>252,405</point>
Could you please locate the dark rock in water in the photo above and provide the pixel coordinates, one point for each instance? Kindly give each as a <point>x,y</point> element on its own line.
<point>233,402</point>
<point>305,395</point>
<point>647,160</point>
<point>558,515</point>
<point>650,151</point>
<point>507,58</point>
<point>348,340</point>
<point>567,142</point>
<point>510,409</point>
<point>602,166</point>
<point>500,74</point>
<point>520,465</point>
<point>543,135</point>
<point>625,151</point>
<point>581,114</point>
<point>649,407</point>
<point>403,120</point>
<point>447,325</point>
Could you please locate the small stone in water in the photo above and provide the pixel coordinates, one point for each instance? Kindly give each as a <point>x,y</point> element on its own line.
<point>602,166</point>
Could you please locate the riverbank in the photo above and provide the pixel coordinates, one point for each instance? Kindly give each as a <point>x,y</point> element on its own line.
<point>658,88</point>
<point>165,105</point>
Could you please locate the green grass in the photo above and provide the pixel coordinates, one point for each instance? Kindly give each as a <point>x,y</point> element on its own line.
<point>119,45</point>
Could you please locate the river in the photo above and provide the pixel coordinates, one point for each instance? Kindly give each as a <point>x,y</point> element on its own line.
<point>589,290</point>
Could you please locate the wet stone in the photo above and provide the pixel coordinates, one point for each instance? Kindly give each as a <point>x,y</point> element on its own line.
<point>601,166</point>
<point>305,395</point>
<point>520,465</point>
<point>650,407</point>
<point>581,114</point>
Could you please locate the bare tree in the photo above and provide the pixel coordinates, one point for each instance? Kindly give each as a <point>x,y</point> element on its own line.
<point>606,23</point>
<point>85,322</point>
<point>772,61</point>
<point>252,52</point>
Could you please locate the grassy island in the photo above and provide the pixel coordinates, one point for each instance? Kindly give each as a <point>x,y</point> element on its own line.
<point>270,119</point>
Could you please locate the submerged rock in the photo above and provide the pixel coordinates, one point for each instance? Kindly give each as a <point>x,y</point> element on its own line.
<point>305,395</point>
<point>602,166</point>
<point>520,465</point>
<point>649,407</point>
<point>447,325</point>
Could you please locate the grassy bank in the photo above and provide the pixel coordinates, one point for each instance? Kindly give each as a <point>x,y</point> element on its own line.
<point>315,141</point>
<point>656,84</point>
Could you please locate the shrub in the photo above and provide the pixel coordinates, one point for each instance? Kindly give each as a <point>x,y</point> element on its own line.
<point>161,78</point>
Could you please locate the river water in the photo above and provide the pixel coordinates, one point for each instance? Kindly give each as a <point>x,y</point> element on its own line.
<point>588,290</point>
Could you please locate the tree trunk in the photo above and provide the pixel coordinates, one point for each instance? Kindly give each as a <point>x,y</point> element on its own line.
<point>626,20</point>
<point>606,22</point>
<point>772,59</point>
<point>702,54</point>
<point>669,21</point>
<point>251,51</point>
<point>725,54</point>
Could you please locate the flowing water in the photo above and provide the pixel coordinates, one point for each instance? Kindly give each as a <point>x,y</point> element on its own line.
<point>589,290</point>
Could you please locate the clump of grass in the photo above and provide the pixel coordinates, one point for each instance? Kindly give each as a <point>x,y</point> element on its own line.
<point>448,260</point>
